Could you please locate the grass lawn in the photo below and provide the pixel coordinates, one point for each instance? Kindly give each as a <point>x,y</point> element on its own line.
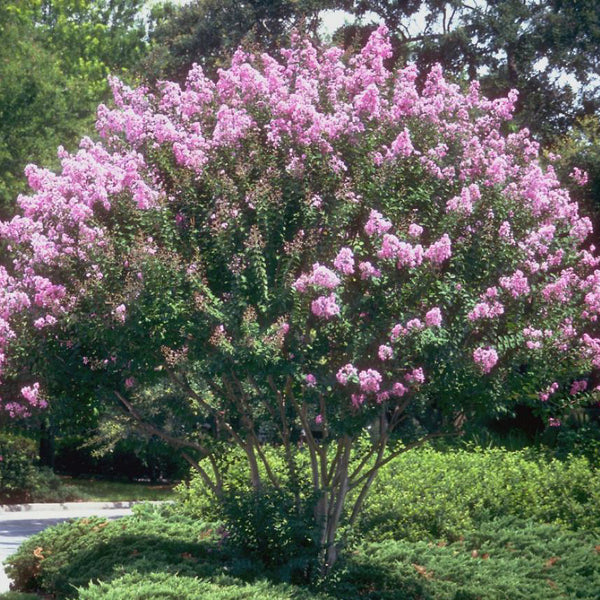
<point>98,490</point>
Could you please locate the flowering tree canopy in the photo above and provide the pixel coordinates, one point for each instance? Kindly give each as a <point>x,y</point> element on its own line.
<point>307,245</point>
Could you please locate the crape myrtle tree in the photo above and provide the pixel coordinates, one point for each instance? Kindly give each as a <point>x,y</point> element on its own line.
<point>310,247</point>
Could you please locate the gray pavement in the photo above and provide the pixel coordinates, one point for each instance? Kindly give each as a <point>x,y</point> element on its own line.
<point>18,522</point>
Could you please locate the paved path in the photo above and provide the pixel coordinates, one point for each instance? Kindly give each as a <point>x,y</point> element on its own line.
<point>19,522</point>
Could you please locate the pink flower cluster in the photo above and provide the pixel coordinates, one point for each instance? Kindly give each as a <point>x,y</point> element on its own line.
<point>344,261</point>
<point>485,358</point>
<point>346,373</point>
<point>551,389</point>
<point>320,276</point>
<point>325,307</point>
<point>439,251</point>
<point>517,284</point>
<point>369,380</point>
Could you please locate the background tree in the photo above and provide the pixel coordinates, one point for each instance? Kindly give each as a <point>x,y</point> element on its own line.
<point>548,50</point>
<point>54,62</point>
<point>208,31</point>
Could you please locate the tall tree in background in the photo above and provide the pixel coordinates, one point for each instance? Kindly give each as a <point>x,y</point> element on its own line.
<point>54,62</point>
<point>547,49</point>
<point>207,31</point>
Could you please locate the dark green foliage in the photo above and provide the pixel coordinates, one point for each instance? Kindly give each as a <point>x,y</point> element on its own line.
<point>54,62</point>
<point>21,480</point>
<point>73,553</point>
<point>269,527</point>
<point>208,31</point>
<point>17,473</point>
<point>505,559</point>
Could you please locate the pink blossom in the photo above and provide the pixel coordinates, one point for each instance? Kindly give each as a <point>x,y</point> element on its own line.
<point>120,313</point>
<point>433,317</point>
<point>347,373</point>
<point>486,358</point>
<point>385,352</point>
<point>415,230</point>
<point>551,389</point>
<point>32,395</point>
<point>578,386</point>
<point>389,246</point>
<point>344,261</point>
<point>553,422</point>
<point>439,251</point>
<point>323,277</point>
<point>415,376</point>
<point>369,380</point>
<point>516,284</point>
<point>311,380</point>
<point>579,176</point>
<point>377,224</point>
<point>368,271</point>
<point>414,324</point>
<point>358,400</point>
<point>129,383</point>
<point>398,389</point>
<point>325,306</point>
<point>486,310</point>
<point>397,331</point>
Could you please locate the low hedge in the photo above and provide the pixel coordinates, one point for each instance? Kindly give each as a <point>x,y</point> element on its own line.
<point>428,494</point>
<point>431,494</point>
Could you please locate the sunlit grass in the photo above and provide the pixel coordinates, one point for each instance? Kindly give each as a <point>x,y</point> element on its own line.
<point>97,490</point>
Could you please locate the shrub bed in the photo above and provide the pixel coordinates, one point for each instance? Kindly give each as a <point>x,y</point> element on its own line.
<point>438,525</point>
<point>429,494</point>
<point>507,558</point>
<point>138,586</point>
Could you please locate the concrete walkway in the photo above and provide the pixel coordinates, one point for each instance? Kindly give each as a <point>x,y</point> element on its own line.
<point>20,521</point>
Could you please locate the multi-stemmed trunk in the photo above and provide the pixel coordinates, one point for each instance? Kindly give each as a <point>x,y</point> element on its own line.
<point>340,476</point>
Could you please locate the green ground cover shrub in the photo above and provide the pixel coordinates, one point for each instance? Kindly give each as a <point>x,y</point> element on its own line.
<point>455,525</point>
<point>153,539</point>
<point>159,554</point>
<point>505,559</point>
<point>136,586</point>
